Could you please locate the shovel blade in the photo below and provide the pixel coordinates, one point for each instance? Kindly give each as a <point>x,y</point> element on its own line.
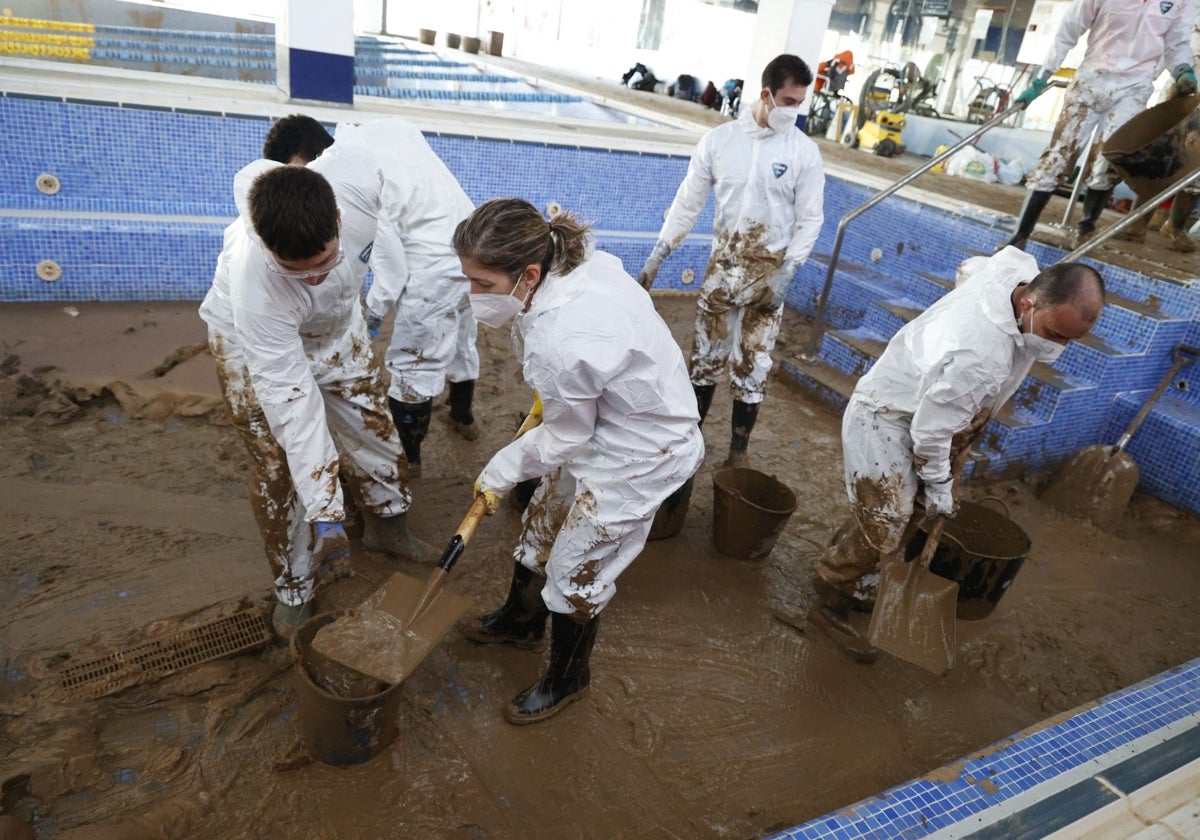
<point>1094,484</point>
<point>914,616</point>
<point>375,639</point>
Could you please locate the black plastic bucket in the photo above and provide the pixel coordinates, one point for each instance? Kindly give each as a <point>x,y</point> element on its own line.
<point>345,717</point>
<point>982,549</point>
<point>749,511</point>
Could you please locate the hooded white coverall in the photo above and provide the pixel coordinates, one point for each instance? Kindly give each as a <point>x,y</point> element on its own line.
<point>940,375</point>
<point>619,431</point>
<point>770,194</point>
<point>1128,41</point>
<point>296,371</point>
<point>433,334</point>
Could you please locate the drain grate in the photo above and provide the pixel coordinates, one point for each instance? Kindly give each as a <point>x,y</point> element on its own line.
<point>152,660</point>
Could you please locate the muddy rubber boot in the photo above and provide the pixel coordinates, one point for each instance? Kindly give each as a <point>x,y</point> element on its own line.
<point>1136,232</point>
<point>1035,203</point>
<point>1176,229</point>
<point>704,398</point>
<point>521,622</point>
<point>1094,202</point>
<point>744,416</point>
<point>831,615</point>
<point>461,419</point>
<point>390,535</point>
<point>287,619</point>
<point>412,422</point>
<point>568,676</point>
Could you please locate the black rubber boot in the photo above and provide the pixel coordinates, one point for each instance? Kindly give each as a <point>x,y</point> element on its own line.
<point>1035,203</point>
<point>744,417</point>
<point>568,677</point>
<point>521,622</point>
<point>704,398</point>
<point>461,396</point>
<point>1094,202</point>
<point>412,422</point>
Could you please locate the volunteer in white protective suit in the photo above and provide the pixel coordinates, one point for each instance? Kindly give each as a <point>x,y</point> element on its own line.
<point>416,270</point>
<point>1127,42</point>
<point>619,431</point>
<point>770,194</point>
<point>936,383</point>
<point>293,358</point>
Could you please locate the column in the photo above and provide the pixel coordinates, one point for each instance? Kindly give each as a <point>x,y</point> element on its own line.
<point>314,50</point>
<point>786,26</point>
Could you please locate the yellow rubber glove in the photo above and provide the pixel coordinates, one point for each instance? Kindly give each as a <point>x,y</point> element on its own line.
<point>491,499</point>
<point>535,411</point>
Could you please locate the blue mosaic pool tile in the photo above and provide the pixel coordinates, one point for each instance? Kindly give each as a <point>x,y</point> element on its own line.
<point>1014,765</point>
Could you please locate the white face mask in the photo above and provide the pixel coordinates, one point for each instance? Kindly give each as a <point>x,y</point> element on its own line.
<point>781,119</point>
<point>496,310</point>
<point>1043,349</point>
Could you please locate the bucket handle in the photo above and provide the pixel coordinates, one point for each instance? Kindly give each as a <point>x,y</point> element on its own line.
<point>1001,502</point>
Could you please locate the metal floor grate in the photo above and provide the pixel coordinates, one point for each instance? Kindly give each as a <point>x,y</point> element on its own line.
<point>152,660</point>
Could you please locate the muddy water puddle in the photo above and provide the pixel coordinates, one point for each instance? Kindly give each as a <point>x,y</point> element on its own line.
<point>707,717</point>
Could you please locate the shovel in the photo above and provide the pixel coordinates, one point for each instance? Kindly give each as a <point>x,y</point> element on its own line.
<point>389,634</point>
<point>915,609</point>
<point>1098,481</point>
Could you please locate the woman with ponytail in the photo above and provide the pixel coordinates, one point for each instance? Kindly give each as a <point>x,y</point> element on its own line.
<point>619,431</point>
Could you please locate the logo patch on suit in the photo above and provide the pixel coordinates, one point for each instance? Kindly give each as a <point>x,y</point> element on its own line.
<point>365,254</point>
<point>779,169</point>
<point>1165,6</point>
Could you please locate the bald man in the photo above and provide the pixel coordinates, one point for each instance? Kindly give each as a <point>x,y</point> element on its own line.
<point>937,382</point>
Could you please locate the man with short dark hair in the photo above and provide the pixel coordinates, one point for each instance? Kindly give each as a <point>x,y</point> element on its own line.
<point>939,379</point>
<point>287,333</point>
<point>417,273</point>
<point>770,191</point>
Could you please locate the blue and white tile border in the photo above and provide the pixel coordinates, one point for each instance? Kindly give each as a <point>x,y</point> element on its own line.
<point>993,784</point>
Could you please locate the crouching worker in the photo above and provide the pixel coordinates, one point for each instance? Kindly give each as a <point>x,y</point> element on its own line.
<point>937,382</point>
<point>619,431</point>
<point>294,361</point>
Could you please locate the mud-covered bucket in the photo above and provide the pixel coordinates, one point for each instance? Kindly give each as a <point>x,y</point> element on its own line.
<point>982,549</point>
<point>345,717</point>
<point>1158,146</point>
<point>672,513</point>
<point>749,511</point>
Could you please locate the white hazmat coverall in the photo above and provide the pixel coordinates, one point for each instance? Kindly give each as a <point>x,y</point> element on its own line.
<point>770,192</point>
<point>939,376</point>
<point>619,431</point>
<point>433,334</point>
<point>1128,41</point>
<point>296,371</point>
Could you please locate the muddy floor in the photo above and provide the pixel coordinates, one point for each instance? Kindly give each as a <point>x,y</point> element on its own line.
<point>124,517</point>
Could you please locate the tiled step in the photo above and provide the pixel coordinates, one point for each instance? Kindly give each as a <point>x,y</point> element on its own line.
<point>830,386</point>
<point>851,352</point>
<point>1166,447</point>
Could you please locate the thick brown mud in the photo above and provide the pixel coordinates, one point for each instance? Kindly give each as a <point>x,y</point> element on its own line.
<point>707,717</point>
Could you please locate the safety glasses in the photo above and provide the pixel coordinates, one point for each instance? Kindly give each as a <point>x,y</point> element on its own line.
<point>316,271</point>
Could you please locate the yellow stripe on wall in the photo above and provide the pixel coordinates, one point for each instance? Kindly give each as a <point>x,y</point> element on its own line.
<point>44,51</point>
<point>46,38</point>
<point>60,25</point>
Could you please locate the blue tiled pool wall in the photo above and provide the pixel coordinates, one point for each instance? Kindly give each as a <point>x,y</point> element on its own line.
<point>1015,765</point>
<point>151,163</point>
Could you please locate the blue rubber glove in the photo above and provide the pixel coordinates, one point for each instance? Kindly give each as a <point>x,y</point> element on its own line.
<point>330,547</point>
<point>373,322</point>
<point>1185,80</point>
<point>1032,92</point>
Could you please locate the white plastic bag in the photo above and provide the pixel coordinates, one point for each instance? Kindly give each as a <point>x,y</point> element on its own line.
<point>974,164</point>
<point>1011,172</point>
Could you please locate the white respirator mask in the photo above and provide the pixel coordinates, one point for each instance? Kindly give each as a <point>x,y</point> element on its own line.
<point>1043,349</point>
<point>496,310</point>
<point>781,119</point>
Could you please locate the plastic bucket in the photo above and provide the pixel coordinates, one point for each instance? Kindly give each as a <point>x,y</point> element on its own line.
<point>982,549</point>
<point>495,43</point>
<point>345,717</point>
<point>453,40</point>
<point>749,510</point>
<point>470,44</point>
<point>1158,146</point>
<point>672,513</point>
<point>426,36</point>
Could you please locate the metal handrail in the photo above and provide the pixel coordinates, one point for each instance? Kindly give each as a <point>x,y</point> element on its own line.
<point>814,342</point>
<point>1109,232</point>
<point>1084,169</point>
